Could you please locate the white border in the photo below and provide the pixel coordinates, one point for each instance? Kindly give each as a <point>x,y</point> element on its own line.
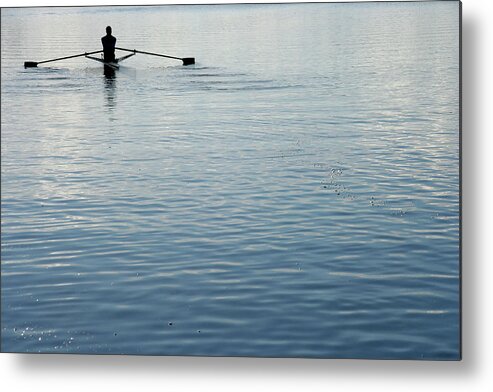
<point>85,373</point>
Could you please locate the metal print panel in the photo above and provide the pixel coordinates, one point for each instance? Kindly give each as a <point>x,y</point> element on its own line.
<point>267,180</point>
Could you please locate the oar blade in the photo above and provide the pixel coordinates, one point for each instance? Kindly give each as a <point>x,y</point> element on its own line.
<point>30,64</point>
<point>188,60</point>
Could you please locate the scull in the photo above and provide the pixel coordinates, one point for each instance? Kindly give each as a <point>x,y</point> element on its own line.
<point>111,64</point>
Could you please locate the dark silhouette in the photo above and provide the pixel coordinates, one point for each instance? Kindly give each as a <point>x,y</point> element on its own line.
<point>109,43</point>
<point>109,72</point>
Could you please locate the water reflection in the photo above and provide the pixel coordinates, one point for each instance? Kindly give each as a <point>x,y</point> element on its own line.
<point>110,85</point>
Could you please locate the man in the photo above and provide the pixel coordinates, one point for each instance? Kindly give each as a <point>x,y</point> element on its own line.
<point>109,43</point>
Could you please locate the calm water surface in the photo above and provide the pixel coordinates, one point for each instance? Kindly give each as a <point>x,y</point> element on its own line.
<point>294,193</point>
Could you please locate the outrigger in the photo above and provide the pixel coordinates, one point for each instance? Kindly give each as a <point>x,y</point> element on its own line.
<point>111,64</point>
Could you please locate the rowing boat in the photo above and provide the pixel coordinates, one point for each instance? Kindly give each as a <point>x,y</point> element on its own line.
<point>111,64</point>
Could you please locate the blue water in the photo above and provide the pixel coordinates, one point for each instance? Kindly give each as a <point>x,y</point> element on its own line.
<point>295,193</point>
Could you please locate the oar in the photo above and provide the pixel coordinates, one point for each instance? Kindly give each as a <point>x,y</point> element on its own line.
<point>28,64</point>
<point>186,60</point>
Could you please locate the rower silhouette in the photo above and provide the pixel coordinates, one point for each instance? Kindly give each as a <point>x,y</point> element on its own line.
<point>109,43</point>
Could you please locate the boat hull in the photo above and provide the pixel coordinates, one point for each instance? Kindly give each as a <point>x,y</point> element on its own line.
<point>107,64</point>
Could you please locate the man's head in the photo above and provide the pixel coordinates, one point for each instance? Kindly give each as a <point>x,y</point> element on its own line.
<point>108,30</point>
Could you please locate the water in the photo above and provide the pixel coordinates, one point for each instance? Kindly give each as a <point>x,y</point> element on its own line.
<point>295,193</point>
